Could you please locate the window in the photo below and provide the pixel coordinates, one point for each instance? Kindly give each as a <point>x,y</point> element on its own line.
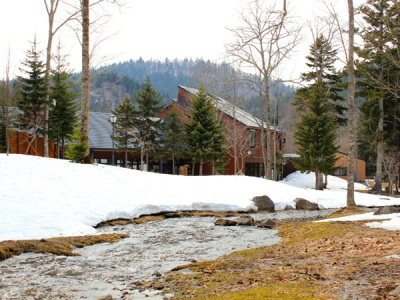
<point>341,172</point>
<point>252,138</point>
<point>252,169</point>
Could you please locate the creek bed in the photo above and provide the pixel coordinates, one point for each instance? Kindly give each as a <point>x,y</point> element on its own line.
<point>112,269</point>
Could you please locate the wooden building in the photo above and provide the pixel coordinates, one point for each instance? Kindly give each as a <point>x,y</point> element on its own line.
<point>243,134</point>
<point>341,163</point>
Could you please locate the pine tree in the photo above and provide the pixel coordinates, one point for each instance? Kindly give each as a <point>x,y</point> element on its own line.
<point>173,143</point>
<point>148,128</point>
<point>320,112</point>
<point>379,79</point>
<point>76,147</point>
<point>205,138</point>
<point>33,93</point>
<point>63,112</point>
<point>125,113</point>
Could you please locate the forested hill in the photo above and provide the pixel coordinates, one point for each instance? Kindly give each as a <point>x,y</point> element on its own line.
<point>168,74</point>
<point>165,75</point>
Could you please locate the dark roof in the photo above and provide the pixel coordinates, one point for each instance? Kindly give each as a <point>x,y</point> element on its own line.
<point>100,131</point>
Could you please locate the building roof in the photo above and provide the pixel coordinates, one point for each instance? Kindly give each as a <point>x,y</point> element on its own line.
<point>232,110</point>
<point>100,131</point>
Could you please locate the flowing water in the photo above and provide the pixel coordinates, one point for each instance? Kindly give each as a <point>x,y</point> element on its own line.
<point>112,269</point>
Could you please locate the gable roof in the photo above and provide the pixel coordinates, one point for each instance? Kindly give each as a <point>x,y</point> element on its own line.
<point>231,110</point>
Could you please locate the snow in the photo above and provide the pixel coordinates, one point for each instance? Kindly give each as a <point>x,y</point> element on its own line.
<point>305,180</point>
<point>44,197</point>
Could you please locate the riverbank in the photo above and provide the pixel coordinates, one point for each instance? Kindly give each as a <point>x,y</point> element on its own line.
<point>330,260</point>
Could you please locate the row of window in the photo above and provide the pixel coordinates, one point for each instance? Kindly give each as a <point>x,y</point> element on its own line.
<point>253,140</point>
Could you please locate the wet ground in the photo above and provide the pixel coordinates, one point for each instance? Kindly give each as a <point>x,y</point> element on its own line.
<point>113,269</point>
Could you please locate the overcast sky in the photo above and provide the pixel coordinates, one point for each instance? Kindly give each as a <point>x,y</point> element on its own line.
<point>149,29</point>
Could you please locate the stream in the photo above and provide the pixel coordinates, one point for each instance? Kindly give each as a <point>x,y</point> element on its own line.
<point>112,269</point>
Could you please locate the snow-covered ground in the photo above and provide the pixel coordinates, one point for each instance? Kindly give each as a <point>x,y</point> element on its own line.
<point>42,197</point>
<point>303,180</point>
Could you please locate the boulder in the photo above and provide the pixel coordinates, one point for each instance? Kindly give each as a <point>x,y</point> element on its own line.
<point>266,223</point>
<point>245,220</point>
<point>303,204</point>
<point>288,207</point>
<point>387,210</point>
<point>225,222</point>
<point>264,203</point>
<point>108,297</point>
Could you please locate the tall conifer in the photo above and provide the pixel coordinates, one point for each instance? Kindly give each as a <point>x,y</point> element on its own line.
<point>148,132</point>
<point>379,84</point>
<point>174,143</point>
<point>205,138</point>
<point>125,112</point>
<point>321,112</point>
<point>63,110</point>
<point>33,92</point>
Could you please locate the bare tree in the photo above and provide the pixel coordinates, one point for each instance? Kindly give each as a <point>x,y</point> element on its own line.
<point>391,163</point>
<point>51,10</point>
<point>348,49</point>
<point>8,103</point>
<point>351,115</point>
<point>266,38</point>
<point>85,7</point>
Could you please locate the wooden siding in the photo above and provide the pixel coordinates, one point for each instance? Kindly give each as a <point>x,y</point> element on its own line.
<point>251,155</point>
<point>19,144</point>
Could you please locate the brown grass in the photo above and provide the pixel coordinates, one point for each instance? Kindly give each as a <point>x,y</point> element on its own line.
<point>57,246</point>
<point>347,211</point>
<point>328,260</point>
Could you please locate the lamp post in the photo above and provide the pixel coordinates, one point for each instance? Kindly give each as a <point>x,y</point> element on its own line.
<point>113,120</point>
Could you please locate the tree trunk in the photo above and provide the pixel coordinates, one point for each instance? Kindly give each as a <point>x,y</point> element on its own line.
<point>201,167</point>
<point>262,136</point>
<point>126,158</point>
<point>85,92</point>
<point>147,160</point>
<point>351,121</point>
<point>173,165</point>
<point>268,125</point>
<point>379,152</point>
<point>317,186</point>
<point>47,83</point>
<point>141,158</point>
<point>62,147</point>
<point>326,181</point>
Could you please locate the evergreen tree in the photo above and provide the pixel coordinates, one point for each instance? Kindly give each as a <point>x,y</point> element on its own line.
<point>379,82</point>
<point>321,112</point>
<point>125,113</point>
<point>33,93</point>
<point>205,138</point>
<point>148,128</point>
<point>76,147</point>
<point>173,143</point>
<point>63,113</point>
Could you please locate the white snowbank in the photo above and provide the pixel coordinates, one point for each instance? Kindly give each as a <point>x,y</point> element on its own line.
<point>305,180</point>
<point>43,197</point>
<point>389,222</point>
